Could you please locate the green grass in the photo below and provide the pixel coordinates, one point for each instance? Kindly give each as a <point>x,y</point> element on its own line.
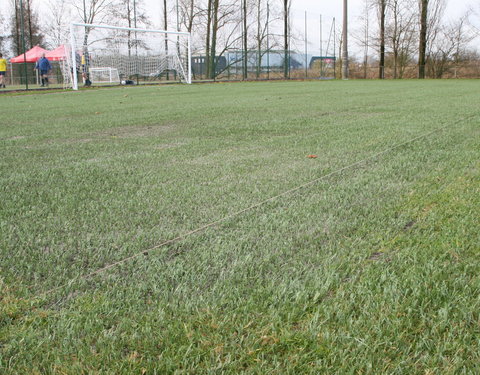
<point>371,270</point>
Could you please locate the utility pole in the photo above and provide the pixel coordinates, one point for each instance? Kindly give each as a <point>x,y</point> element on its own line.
<point>383,7</point>
<point>245,43</point>
<point>423,38</point>
<point>165,25</point>
<point>321,48</point>
<point>22,25</point>
<point>136,37</point>
<point>178,29</point>
<point>285,35</point>
<point>268,40</point>
<point>345,41</point>
<point>306,47</point>
<point>334,27</point>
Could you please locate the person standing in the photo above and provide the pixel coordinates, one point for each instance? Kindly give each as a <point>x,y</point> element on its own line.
<point>43,65</point>
<point>3,70</point>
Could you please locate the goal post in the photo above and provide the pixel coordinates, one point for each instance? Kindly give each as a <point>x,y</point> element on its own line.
<point>130,54</point>
<point>105,74</point>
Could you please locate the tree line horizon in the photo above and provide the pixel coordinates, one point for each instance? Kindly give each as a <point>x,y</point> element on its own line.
<point>393,35</point>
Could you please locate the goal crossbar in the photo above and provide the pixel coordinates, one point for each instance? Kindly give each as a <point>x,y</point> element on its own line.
<point>153,31</point>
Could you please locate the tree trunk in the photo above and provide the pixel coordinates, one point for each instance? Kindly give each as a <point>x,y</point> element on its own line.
<point>207,42</point>
<point>18,42</point>
<point>29,19</point>
<point>213,48</point>
<point>381,70</point>
<point>423,38</point>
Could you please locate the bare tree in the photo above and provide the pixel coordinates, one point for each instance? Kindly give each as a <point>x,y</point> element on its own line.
<point>57,21</point>
<point>3,34</point>
<point>208,35</point>
<point>189,13</point>
<point>221,22</point>
<point>434,26</point>
<point>213,46</point>
<point>462,35</point>
<point>32,30</point>
<point>400,33</point>
<point>447,48</point>
<point>130,13</point>
<point>93,11</point>
<point>262,19</point>
<point>474,18</point>
<point>362,34</point>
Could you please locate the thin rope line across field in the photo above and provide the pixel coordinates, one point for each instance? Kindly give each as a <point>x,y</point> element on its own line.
<point>253,206</point>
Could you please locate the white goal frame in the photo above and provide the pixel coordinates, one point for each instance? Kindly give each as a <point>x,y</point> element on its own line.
<point>165,32</point>
<point>112,73</point>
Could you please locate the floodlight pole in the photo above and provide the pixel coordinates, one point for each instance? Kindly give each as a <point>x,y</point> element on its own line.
<point>345,41</point>
<point>136,38</point>
<point>306,48</point>
<point>286,67</point>
<point>334,25</point>
<point>178,29</point>
<point>165,25</point>
<point>321,47</point>
<point>268,40</point>
<point>189,58</point>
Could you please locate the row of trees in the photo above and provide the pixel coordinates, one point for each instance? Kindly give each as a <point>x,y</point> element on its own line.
<point>216,24</point>
<point>405,32</point>
<point>398,33</point>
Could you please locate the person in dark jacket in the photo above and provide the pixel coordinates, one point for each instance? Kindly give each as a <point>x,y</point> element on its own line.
<point>43,65</point>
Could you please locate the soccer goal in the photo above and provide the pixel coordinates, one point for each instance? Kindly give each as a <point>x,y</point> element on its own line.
<point>104,75</point>
<point>102,54</point>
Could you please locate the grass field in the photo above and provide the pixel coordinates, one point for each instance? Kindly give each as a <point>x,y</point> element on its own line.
<point>372,268</point>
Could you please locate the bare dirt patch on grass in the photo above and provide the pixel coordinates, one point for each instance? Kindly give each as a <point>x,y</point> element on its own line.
<point>14,138</point>
<point>136,131</point>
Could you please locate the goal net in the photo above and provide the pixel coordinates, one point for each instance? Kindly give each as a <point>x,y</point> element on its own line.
<point>101,54</point>
<point>104,75</point>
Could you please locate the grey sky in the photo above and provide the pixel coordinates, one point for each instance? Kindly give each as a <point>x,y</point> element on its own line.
<point>328,8</point>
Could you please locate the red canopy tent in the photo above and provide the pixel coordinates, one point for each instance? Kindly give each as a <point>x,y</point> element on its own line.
<point>58,54</point>
<point>31,55</point>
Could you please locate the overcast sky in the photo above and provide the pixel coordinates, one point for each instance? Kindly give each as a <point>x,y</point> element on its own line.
<point>328,8</point>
